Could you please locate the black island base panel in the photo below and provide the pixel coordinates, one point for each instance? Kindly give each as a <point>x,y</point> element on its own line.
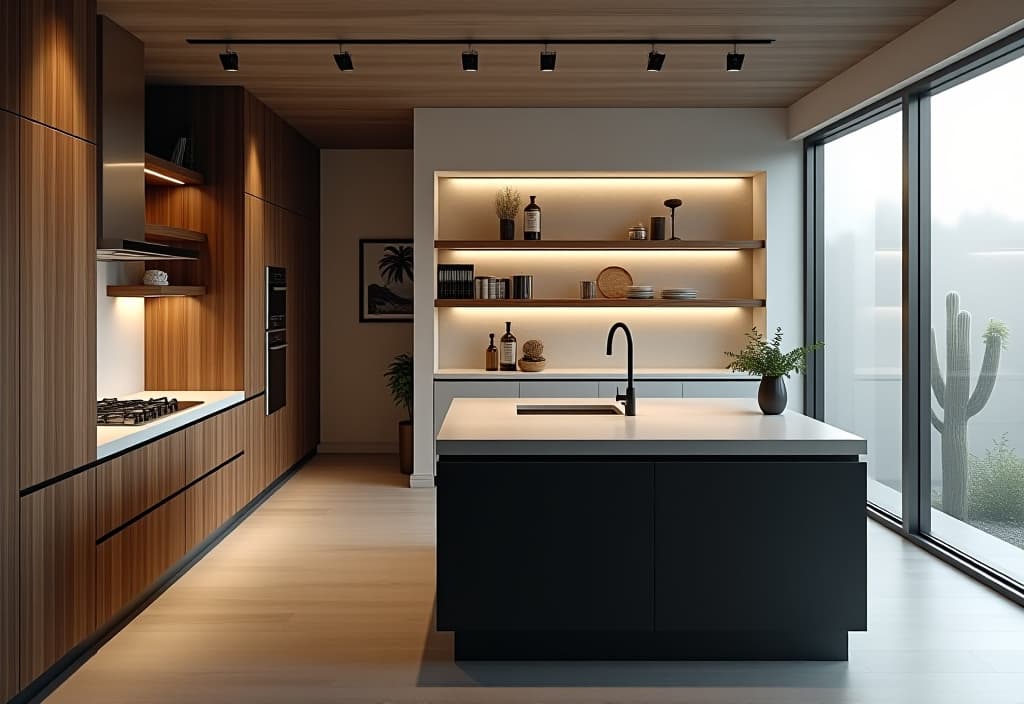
<point>702,558</point>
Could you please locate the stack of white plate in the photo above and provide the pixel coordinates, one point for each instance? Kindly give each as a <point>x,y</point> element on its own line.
<point>641,291</point>
<point>679,293</point>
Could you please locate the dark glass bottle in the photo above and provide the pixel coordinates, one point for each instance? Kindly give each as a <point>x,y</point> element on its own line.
<point>531,220</point>
<point>508,350</point>
<point>491,356</point>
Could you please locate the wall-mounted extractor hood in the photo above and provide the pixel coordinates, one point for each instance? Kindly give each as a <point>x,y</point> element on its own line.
<point>122,182</point>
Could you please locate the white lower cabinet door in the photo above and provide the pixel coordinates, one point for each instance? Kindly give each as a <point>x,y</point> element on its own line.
<point>644,388</point>
<point>558,389</point>
<point>740,388</point>
<point>445,391</point>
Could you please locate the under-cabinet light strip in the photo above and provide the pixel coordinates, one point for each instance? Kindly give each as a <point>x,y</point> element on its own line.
<point>165,177</point>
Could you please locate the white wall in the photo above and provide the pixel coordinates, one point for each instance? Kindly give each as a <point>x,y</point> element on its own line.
<point>947,36</point>
<point>120,333</point>
<point>363,193</point>
<point>607,140</point>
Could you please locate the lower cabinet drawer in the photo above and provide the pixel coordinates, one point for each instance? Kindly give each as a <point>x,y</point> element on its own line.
<point>128,485</point>
<point>214,441</point>
<point>130,560</point>
<point>218,497</point>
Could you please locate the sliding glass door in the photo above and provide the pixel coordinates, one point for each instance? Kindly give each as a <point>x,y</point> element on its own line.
<point>977,288</point>
<point>863,186</point>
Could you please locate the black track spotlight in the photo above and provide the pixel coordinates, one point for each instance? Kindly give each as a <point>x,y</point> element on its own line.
<point>229,60</point>
<point>344,61</point>
<point>733,60</point>
<point>655,60</point>
<point>547,60</point>
<point>470,60</point>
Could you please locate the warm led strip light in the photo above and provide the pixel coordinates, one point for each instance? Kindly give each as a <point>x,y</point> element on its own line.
<point>164,177</point>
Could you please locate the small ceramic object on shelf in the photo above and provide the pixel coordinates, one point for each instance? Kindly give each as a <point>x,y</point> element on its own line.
<point>638,232</point>
<point>658,227</point>
<point>155,277</point>
<point>533,356</point>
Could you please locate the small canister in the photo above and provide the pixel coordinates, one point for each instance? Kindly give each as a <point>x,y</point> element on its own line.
<point>588,289</point>
<point>522,286</point>
<point>658,227</point>
<point>638,232</point>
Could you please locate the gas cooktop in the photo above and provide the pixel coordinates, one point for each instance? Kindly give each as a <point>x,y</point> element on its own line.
<point>111,411</point>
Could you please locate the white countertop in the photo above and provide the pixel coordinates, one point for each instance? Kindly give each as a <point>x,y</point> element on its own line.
<point>112,439</point>
<point>662,426</point>
<point>599,373</point>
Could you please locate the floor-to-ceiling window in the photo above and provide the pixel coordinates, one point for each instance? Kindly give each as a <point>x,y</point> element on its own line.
<point>977,316</point>
<point>863,177</point>
<point>915,283</point>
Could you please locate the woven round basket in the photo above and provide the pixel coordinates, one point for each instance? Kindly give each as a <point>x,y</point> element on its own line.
<point>527,366</point>
<point>614,282</point>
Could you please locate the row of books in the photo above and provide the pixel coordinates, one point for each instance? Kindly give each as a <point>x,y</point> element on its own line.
<point>455,280</point>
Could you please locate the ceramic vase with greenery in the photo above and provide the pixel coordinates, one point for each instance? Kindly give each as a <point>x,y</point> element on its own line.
<point>506,207</point>
<point>764,358</point>
<point>399,380</point>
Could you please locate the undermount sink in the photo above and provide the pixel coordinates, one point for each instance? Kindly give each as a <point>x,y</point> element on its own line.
<point>568,410</point>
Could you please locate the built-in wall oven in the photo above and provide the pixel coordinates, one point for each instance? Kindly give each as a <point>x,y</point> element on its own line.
<point>277,338</point>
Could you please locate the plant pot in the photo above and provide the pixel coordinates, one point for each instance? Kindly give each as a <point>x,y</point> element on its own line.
<point>405,446</point>
<point>771,395</point>
<point>507,229</point>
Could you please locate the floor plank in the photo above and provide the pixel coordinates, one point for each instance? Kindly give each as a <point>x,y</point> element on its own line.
<point>325,594</point>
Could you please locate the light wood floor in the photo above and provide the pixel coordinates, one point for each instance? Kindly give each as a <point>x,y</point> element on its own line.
<point>325,594</point>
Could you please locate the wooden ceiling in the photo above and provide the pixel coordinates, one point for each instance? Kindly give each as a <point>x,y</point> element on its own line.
<point>371,107</point>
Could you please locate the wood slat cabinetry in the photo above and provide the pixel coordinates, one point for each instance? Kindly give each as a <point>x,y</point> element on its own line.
<point>58,64</point>
<point>58,571</point>
<point>9,480</point>
<point>130,560</point>
<point>138,480</point>
<point>10,49</point>
<point>260,218</point>
<point>214,441</point>
<point>57,302</point>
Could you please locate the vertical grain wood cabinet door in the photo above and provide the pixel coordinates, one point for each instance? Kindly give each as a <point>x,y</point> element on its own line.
<point>58,64</point>
<point>256,215</point>
<point>58,575</point>
<point>9,482</point>
<point>255,447</point>
<point>10,51</point>
<point>58,303</point>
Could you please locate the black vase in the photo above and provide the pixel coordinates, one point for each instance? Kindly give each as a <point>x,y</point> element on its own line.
<point>771,395</point>
<point>508,229</point>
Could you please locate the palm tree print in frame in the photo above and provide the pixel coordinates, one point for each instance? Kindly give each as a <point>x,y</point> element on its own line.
<point>385,280</point>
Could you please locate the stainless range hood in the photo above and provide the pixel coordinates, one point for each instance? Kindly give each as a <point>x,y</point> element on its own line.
<point>122,183</point>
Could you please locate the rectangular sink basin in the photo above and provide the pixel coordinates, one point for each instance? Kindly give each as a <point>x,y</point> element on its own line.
<point>568,410</point>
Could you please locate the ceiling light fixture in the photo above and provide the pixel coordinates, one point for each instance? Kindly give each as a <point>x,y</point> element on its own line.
<point>547,60</point>
<point>733,60</point>
<point>655,60</point>
<point>470,60</point>
<point>229,59</point>
<point>343,59</point>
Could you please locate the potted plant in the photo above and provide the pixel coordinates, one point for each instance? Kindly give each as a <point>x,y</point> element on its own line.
<point>399,379</point>
<point>765,359</point>
<point>506,206</point>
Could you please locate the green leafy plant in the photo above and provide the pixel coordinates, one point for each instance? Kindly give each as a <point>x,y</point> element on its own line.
<point>759,357</point>
<point>396,264</point>
<point>507,202</point>
<point>399,376</point>
<point>996,489</point>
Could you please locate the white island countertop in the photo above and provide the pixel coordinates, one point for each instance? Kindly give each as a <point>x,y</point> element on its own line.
<point>662,426</point>
<point>112,439</point>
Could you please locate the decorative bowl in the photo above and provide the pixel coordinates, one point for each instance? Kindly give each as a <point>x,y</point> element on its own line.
<point>154,277</point>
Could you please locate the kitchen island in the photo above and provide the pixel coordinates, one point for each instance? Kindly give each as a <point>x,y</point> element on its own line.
<point>697,529</point>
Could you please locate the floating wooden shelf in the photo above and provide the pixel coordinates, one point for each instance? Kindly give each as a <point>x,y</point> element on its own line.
<point>165,232</point>
<point>140,291</point>
<point>160,172</point>
<point>619,245</point>
<point>598,303</point>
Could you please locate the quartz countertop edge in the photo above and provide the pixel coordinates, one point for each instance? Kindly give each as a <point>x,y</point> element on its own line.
<point>662,427</point>
<point>600,374</point>
<point>114,439</point>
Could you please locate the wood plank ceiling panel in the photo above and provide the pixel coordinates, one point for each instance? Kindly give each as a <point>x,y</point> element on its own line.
<point>372,106</point>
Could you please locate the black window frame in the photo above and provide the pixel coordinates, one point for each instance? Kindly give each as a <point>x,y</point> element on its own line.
<point>914,103</point>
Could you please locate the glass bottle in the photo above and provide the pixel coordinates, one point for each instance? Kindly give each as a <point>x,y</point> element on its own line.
<point>491,356</point>
<point>531,221</point>
<point>508,350</point>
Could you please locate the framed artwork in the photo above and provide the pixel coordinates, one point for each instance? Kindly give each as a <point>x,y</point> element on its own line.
<point>385,280</point>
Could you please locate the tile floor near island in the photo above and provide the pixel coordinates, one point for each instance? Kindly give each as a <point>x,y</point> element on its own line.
<point>325,594</point>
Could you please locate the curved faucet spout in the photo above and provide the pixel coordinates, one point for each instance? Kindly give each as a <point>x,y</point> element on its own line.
<point>628,398</point>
